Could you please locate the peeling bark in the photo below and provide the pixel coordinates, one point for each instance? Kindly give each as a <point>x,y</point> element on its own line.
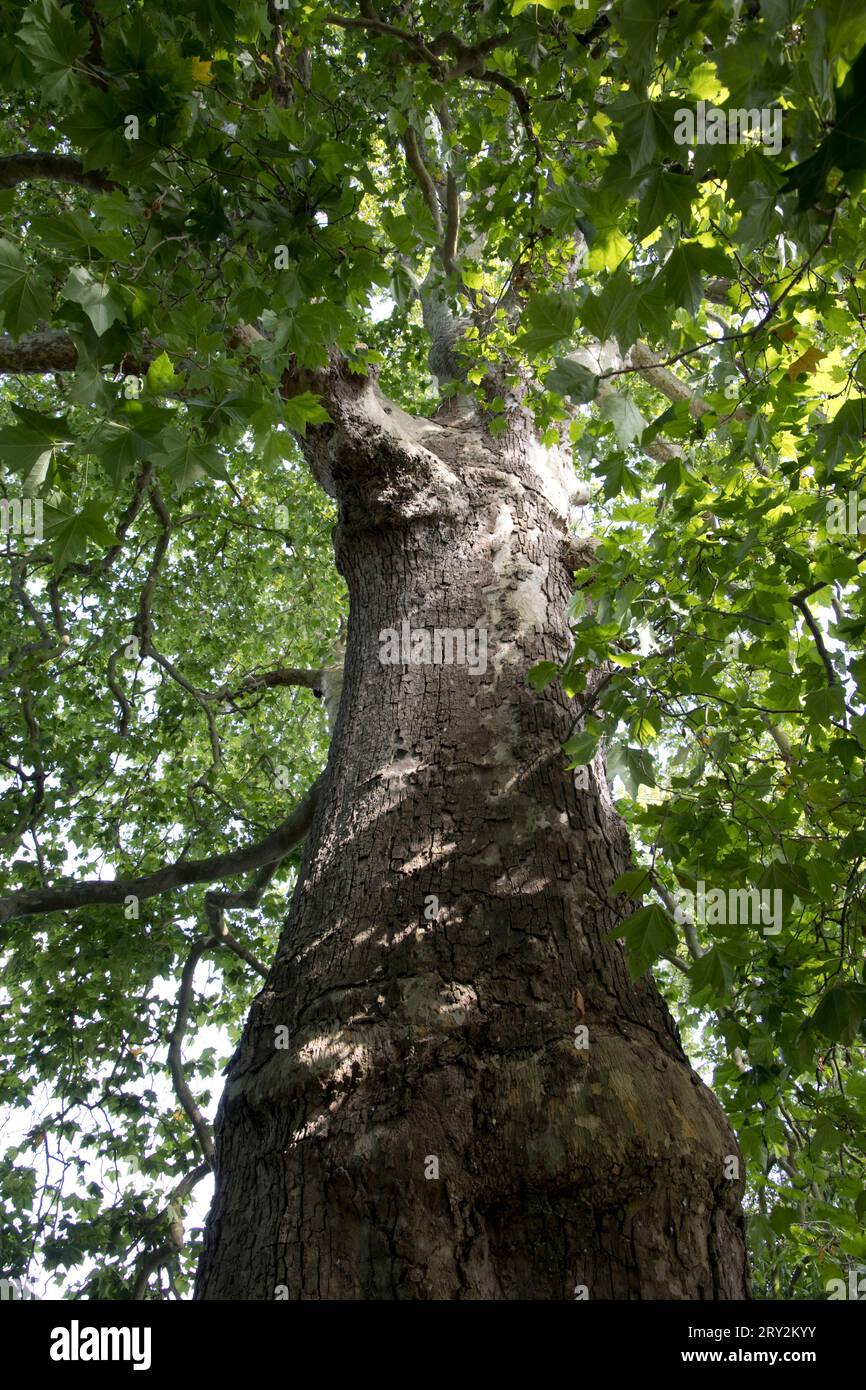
<point>432,1131</point>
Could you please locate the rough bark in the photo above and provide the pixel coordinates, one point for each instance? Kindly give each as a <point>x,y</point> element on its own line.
<point>453,1039</point>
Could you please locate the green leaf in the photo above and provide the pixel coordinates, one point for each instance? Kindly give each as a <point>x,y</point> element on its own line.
<point>649,934</point>
<point>635,766</point>
<point>24,298</point>
<point>541,675</point>
<point>23,447</point>
<point>613,312</point>
<point>190,461</point>
<point>571,379</point>
<point>620,409</point>
<point>71,531</point>
<point>663,195</point>
<point>682,278</point>
<point>95,127</point>
<point>712,973</point>
<point>647,127</point>
<point>843,435</point>
<point>54,429</point>
<point>826,704</point>
<point>549,318</point>
<point>634,883</point>
<point>581,748</point>
<point>844,148</point>
<point>53,46</point>
<point>99,300</point>
<point>302,410</point>
<point>307,332</point>
<point>839,1014</point>
<point>119,446</point>
<point>760,218</point>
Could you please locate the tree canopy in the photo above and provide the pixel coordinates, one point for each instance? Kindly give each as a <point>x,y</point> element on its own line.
<point>204,207</point>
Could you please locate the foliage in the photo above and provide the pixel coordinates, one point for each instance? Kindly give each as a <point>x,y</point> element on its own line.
<point>210,167</point>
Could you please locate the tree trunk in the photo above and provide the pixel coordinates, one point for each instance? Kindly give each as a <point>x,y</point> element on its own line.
<point>434,1128</point>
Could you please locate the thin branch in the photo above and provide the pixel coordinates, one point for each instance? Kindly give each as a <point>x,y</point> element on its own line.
<point>800,603</point>
<point>739,334</point>
<point>668,384</point>
<point>217,902</point>
<point>171,1211</point>
<point>175,1054</point>
<point>154,1260</point>
<point>377,26</point>
<point>144,624</point>
<point>521,101</point>
<point>118,692</point>
<point>695,949</point>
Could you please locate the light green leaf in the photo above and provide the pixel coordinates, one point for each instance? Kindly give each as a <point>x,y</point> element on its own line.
<point>302,410</point>
<point>620,409</point>
<point>99,300</point>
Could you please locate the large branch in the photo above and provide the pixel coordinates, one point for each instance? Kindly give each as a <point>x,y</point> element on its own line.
<point>61,168</point>
<point>263,680</point>
<point>647,364</point>
<point>52,350</point>
<point>70,894</point>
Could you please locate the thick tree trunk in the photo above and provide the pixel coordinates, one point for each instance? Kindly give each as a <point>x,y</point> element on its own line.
<point>432,1130</point>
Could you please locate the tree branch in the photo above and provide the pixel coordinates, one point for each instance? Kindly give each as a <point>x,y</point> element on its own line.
<point>377,26</point>
<point>422,174</point>
<point>63,896</point>
<point>61,168</point>
<point>521,101</point>
<point>153,1260</point>
<point>452,228</point>
<point>52,350</point>
<point>690,932</point>
<point>216,903</point>
<point>664,381</point>
<point>800,603</point>
<point>283,675</point>
<point>175,1055</point>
